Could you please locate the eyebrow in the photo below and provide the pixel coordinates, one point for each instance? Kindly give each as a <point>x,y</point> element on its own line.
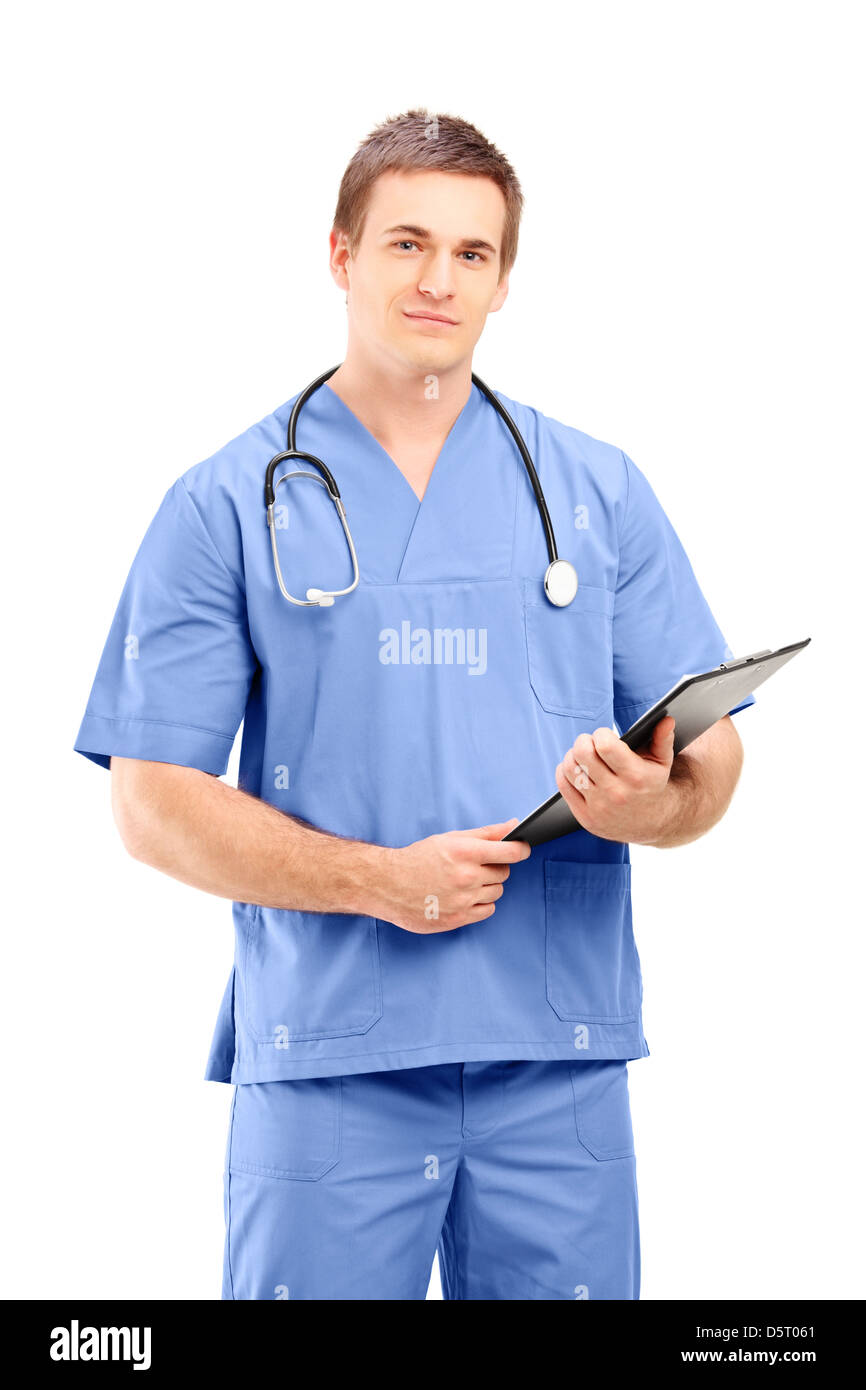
<point>471,243</point>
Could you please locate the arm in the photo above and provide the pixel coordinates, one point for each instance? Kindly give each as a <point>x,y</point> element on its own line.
<point>651,798</point>
<point>212,836</point>
<point>701,785</point>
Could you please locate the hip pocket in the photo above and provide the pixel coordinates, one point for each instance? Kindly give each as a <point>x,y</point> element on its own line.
<point>570,651</point>
<point>309,975</point>
<point>591,962</point>
<point>287,1129</point>
<point>601,1108</point>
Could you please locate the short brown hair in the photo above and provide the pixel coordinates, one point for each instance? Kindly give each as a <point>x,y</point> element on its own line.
<point>403,143</point>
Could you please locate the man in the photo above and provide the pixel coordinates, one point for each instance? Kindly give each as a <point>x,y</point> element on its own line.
<point>428,1029</point>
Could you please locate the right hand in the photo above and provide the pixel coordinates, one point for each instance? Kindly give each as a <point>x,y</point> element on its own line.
<point>449,880</point>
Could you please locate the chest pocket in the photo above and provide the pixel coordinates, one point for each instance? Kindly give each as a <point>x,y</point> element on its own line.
<point>570,651</point>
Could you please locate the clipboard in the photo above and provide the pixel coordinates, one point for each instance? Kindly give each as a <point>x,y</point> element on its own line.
<point>696,702</point>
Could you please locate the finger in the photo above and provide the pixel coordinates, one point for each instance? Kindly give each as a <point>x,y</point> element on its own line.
<point>436,929</point>
<point>490,832</point>
<point>492,873</point>
<point>621,760</point>
<point>495,873</point>
<point>574,797</point>
<point>612,755</point>
<point>581,774</point>
<point>499,851</point>
<point>478,914</point>
<point>490,893</point>
<point>662,743</point>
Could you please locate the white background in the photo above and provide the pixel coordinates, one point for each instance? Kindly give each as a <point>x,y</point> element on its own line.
<point>689,287</point>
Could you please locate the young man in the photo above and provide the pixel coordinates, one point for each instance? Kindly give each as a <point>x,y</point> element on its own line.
<point>427,1027</point>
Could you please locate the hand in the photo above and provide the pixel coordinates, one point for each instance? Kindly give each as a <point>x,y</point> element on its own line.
<point>615,793</point>
<point>450,880</point>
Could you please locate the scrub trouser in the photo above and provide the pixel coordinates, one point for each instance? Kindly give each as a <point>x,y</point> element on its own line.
<point>522,1174</point>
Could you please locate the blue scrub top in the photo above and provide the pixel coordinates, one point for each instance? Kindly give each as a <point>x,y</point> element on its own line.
<point>439,695</point>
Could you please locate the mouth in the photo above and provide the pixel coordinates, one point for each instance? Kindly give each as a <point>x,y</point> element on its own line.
<point>431,318</point>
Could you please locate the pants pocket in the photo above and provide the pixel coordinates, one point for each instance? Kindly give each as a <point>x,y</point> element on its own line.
<point>592,967</point>
<point>287,1129</point>
<point>601,1108</point>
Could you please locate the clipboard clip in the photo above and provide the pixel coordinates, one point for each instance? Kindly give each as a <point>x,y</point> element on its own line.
<point>755,656</point>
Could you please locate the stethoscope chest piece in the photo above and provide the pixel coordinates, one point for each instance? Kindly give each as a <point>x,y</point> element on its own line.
<point>560,583</point>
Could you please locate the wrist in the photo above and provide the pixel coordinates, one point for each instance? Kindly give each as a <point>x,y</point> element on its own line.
<point>664,834</point>
<point>376,869</point>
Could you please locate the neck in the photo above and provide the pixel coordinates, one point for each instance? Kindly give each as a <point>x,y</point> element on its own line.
<point>398,404</point>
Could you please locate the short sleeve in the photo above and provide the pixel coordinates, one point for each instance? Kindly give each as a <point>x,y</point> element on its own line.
<point>175,673</point>
<point>662,624</point>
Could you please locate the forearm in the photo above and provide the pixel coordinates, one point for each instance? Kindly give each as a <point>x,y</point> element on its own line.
<point>699,791</point>
<point>212,836</point>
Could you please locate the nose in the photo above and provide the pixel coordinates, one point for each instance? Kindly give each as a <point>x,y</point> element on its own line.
<point>437,276</point>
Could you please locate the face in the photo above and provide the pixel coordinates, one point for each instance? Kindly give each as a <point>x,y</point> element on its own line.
<point>427,270</point>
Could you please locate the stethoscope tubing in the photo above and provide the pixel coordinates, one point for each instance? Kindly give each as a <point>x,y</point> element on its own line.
<point>328,481</point>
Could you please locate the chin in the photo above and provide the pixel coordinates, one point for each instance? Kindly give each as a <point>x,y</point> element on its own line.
<point>420,361</point>
<point>431,356</point>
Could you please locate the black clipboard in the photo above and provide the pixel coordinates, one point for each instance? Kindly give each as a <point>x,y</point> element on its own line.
<point>696,702</point>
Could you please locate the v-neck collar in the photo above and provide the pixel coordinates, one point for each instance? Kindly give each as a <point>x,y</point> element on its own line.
<point>459,424</point>
<point>464,526</point>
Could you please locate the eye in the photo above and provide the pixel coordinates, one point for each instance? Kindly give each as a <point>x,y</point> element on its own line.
<point>479,259</point>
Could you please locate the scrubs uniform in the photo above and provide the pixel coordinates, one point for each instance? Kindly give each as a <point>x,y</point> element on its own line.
<point>439,695</point>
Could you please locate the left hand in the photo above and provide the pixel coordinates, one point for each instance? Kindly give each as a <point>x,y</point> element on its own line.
<point>615,793</point>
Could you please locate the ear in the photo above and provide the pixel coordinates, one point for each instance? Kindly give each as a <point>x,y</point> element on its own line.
<point>500,296</point>
<point>340,254</point>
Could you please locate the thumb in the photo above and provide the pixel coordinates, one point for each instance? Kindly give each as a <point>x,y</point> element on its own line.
<point>663,738</point>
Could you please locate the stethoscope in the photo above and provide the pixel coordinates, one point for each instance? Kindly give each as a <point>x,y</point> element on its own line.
<point>560,577</point>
